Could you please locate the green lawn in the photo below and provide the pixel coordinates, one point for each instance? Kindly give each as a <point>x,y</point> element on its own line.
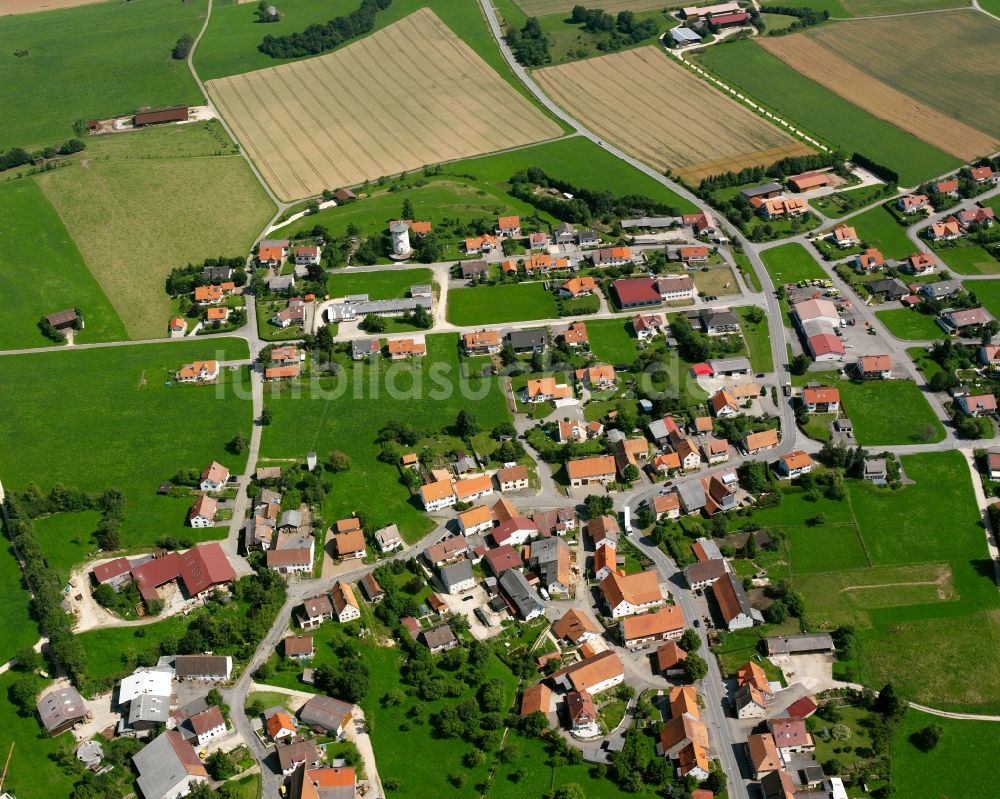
<point>869,8</point>
<point>988,292</point>
<point>513,302</point>
<point>445,197</point>
<point>817,427</point>
<point>19,628</point>
<point>346,414</point>
<point>843,202</point>
<point>927,592</point>
<point>906,323</point>
<point>578,161</point>
<point>749,273</point>
<point>95,61</point>
<point>106,647</point>
<point>42,271</point>
<point>833,6</point>
<point>820,111</point>
<point>33,753</point>
<point>612,340</point>
<point>973,260</point>
<point>928,774</point>
<point>568,41</point>
<point>66,539</point>
<point>890,412</point>
<point>152,432</point>
<point>135,217</point>
<point>758,342</point>
<point>388,285</point>
<point>825,548</point>
<point>876,227</point>
<point>790,263</point>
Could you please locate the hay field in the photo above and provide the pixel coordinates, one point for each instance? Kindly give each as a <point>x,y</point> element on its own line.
<point>807,56</point>
<point>540,8</point>
<point>135,220</point>
<point>949,61</point>
<point>659,112</point>
<point>376,107</point>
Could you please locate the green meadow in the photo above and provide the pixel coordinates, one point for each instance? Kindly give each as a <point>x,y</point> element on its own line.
<point>95,61</point>
<point>42,271</point>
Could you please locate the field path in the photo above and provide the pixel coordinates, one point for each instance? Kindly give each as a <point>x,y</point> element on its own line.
<point>975,5</point>
<point>222,120</point>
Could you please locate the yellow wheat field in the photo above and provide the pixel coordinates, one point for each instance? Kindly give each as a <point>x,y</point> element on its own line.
<point>657,111</point>
<point>411,94</point>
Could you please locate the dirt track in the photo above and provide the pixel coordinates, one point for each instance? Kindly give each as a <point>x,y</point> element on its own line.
<point>659,112</point>
<point>814,61</point>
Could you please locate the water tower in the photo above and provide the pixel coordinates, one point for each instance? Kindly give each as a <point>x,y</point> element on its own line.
<point>400,239</point>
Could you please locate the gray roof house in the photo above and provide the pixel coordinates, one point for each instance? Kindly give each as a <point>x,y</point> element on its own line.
<point>587,237</point>
<point>730,366</point>
<point>439,639</point>
<point>216,274</point>
<point>718,322</point>
<point>280,282</point>
<point>763,189</point>
<point>203,667</point>
<point>890,288</point>
<point>168,766</point>
<point>456,574</point>
<point>534,340</point>
<point>290,520</point>
<point>876,471</point>
<point>326,713</point>
<point>806,643</point>
<point>61,709</point>
<point>362,348</point>
<point>146,711</point>
<point>520,594</point>
<point>692,496</point>
<point>941,289</point>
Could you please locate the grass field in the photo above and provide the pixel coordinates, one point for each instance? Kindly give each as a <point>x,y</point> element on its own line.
<point>19,628</point>
<point>66,538</point>
<point>988,293</point>
<point>444,197</point>
<point>973,260</point>
<point>33,753</point>
<point>951,44</point>
<point>487,305</point>
<point>808,57</point>
<point>842,202</point>
<point>822,112</point>
<point>868,8</point>
<point>715,134</point>
<point>105,646</point>
<point>94,61</point>
<point>908,324</point>
<point>570,41</point>
<point>612,340</point>
<point>347,415</point>
<point>718,281</point>
<point>136,218</point>
<point>833,6</point>
<point>890,412</point>
<point>790,263</point>
<point>825,548</point>
<point>153,431</point>
<point>388,285</point>
<point>925,593</point>
<point>758,342</point>
<point>578,161</point>
<point>876,227</point>
<point>311,125</point>
<point>34,234</point>
<point>927,774</point>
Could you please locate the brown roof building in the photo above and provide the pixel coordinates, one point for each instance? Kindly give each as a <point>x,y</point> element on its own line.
<point>536,699</point>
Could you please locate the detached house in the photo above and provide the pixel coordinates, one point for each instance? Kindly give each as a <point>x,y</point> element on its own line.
<point>821,399</point>
<point>920,263</point>
<point>844,236</point>
<point>306,255</point>
<point>508,226</point>
<point>598,377</point>
<point>755,443</point>
<point>626,595</point>
<point>869,260</point>
<point>648,326</point>
<point>437,495</point>
<point>482,342</point>
<point>978,404</point>
<point>874,367</point>
<point>946,230</point>
<point>794,464</point>
<point>345,604</point>
<point>913,203</point>
<point>982,174</point>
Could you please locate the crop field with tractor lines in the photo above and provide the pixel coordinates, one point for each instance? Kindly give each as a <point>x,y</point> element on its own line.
<point>948,61</point>
<point>611,94</point>
<point>376,107</point>
<point>810,58</point>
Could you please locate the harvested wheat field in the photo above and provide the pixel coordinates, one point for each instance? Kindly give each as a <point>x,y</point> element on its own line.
<point>376,107</point>
<point>948,61</point>
<point>30,6</point>
<point>660,113</point>
<point>540,8</point>
<point>811,59</point>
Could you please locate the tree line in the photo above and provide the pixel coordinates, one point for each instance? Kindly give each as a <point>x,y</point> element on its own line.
<point>587,204</point>
<point>317,39</point>
<point>18,156</point>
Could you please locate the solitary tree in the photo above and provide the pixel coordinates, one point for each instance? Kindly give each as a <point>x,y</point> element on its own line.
<point>695,668</point>
<point>466,424</point>
<point>927,738</point>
